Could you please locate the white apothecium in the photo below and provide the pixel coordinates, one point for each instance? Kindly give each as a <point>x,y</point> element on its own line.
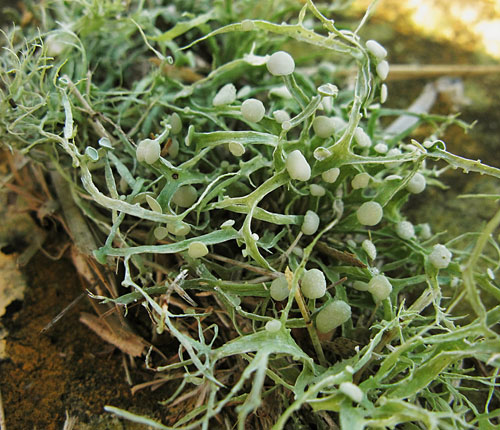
<point>317,190</point>
<point>393,152</point>
<point>379,287</point>
<point>362,139</point>
<point>225,96</point>
<point>323,126</point>
<point>369,248</point>
<point>361,180</point>
<point>384,92</point>
<point>197,249</point>
<point>148,150</point>
<point>376,49</point>
<point>332,316</point>
<point>382,69</point>
<point>153,204</point>
<point>330,175</point>
<point>311,223</point>
<point>281,116</point>
<point>425,231</point>
<point>381,148</point>
<point>313,284</point>
<point>173,149</point>
<point>160,233</point>
<point>175,123</point>
<point>236,148</point>
<point>227,224</point>
<point>297,166</point>
<point>370,213</point>
<point>352,391</point>
<point>247,25</point>
<point>279,289</point>
<point>178,228</point>
<point>273,326</point>
<point>440,257</point>
<point>55,44</point>
<point>281,63</point>
<point>360,285</point>
<point>185,196</point>
<point>253,110</point>
<point>416,184</point>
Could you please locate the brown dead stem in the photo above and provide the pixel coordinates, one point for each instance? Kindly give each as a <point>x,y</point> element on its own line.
<point>113,333</point>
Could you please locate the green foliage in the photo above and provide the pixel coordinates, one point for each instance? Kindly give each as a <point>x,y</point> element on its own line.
<point>99,77</point>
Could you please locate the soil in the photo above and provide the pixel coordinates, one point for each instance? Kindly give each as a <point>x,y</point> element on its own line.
<point>68,369</point>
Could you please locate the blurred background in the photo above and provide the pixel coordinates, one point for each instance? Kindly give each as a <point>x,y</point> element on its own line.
<point>465,33</point>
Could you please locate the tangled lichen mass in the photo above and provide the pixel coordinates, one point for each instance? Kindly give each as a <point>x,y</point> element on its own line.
<point>195,144</point>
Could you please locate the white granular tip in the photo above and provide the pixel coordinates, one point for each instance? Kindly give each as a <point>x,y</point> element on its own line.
<point>297,166</point>
<point>313,284</point>
<point>440,257</point>
<point>311,223</point>
<point>253,110</point>
<point>405,230</point>
<point>225,96</point>
<point>369,248</point>
<point>370,213</point>
<point>376,49</point>
<point>281,63</point>
<point>332,316</point>
<point>279,289</point>
<point>380,288</point>
<point>352,391</point>
<point>362,139</point>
